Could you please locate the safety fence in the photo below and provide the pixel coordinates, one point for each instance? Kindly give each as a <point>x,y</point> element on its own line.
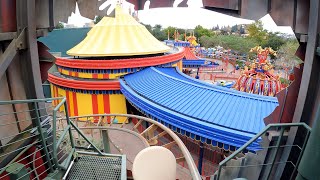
<point>253,167</point>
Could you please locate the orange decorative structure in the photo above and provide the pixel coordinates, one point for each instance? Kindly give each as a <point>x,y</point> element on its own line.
<point>192,40</point>
<point>259,78</point>
<point>112,48</point>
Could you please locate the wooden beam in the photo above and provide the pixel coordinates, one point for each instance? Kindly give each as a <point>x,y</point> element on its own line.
<point>170,144</point>
<point>158,136</point>
<point>136,126</point>
<point>124,122</point>
<point>150,128</point>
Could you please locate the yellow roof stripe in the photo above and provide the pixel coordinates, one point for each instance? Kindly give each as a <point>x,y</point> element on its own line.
<point>119,36</point>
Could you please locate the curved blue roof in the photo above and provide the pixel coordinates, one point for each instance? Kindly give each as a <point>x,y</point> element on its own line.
<point>208,112</point>
<point>193,63</point>
<point>197,63</point>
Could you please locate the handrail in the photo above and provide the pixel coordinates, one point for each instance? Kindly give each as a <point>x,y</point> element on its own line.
<point>18,140</point>
<point>253,139</point>
<point>30,100</point>
<point>144,141</point>
<point>192,167</point>
<point>64,133</point>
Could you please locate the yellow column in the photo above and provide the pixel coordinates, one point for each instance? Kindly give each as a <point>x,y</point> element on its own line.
<point>84,104</point>
<point>118,106</point>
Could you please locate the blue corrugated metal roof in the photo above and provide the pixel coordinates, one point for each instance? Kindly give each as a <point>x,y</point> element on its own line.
<point>198,63</point>
<point>175,72</point>
<point>193,63</point>
<point>219,114</point>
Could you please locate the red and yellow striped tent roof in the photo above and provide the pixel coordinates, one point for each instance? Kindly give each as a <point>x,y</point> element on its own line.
<point>119,36</point>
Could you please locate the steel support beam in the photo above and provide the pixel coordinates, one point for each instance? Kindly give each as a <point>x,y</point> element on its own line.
<point>29,59</point>
<point>7,57</point>
<point>309,87</point>
<point>200,160</point>
<point>309,65</point>
<point>309,166</point>
<point>5,36</point>
<point>105,141</point>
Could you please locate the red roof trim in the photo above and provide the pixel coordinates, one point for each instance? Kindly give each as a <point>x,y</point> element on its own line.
<point>85,85</point>
<point>188,54</point>
<point>121,63</point>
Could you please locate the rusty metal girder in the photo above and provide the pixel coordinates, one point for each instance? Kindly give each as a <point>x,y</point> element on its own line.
<point>10,53</point>
<point>7,57</point>
<point>7,36</point>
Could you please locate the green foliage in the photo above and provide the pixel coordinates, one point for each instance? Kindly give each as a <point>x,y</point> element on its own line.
<point>286,53</point>
<point>263,37</point>
<point>59,26</point>
<point>257,32</point>
<point>208,38</point>
<point>241,64</point>
<point>97,19</point>
<point>237,43</point>
<point>199,31</point>
<point>171,31</point>
<point>284,81</point>
<point>274,41</point>
<point>158,33</point>
<point>234,28</point>
<point>148,26</point>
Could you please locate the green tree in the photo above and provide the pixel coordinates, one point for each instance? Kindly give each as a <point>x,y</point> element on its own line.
<point>171,30</point>
<point>199,31</point>
<point>237,43</point>
<point>59,26</point>
<point>234,28</point>
<point>257,32</point>
<point>286,53</point>
<point>97,19</point>
<point>148,27</point>
<point>158,33</point>
<point>274,40</point>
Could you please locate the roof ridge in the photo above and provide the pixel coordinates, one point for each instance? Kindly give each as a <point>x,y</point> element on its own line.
<point>225,90</point>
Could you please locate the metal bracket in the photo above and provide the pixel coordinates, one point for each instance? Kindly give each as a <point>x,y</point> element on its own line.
<point>304,38</point>
<point>21,42</point>
<point>274,135</point>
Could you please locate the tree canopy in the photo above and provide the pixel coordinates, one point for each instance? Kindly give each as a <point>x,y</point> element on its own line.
<point>199,31</point>
<point>228,37</point>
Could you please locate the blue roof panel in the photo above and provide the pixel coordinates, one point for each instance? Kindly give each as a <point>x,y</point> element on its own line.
<point>165,92</point>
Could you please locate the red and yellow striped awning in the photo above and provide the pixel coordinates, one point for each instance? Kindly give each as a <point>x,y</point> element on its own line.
<point>119,36</point>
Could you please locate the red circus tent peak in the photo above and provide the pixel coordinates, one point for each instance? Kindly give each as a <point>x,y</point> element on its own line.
<point>189,55</point>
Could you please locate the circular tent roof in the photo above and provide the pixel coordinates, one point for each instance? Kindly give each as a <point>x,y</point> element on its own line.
<point>119,36</point>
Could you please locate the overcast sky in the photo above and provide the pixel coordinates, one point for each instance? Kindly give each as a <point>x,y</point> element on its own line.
<point>186,18</point>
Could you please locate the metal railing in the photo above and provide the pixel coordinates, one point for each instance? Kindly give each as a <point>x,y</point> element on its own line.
<point>280,129</point>
<point>67,130</point>
<point>39,135</point>
<point>31,145</point>
<point>25,139</point>
<point>153,131</point>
